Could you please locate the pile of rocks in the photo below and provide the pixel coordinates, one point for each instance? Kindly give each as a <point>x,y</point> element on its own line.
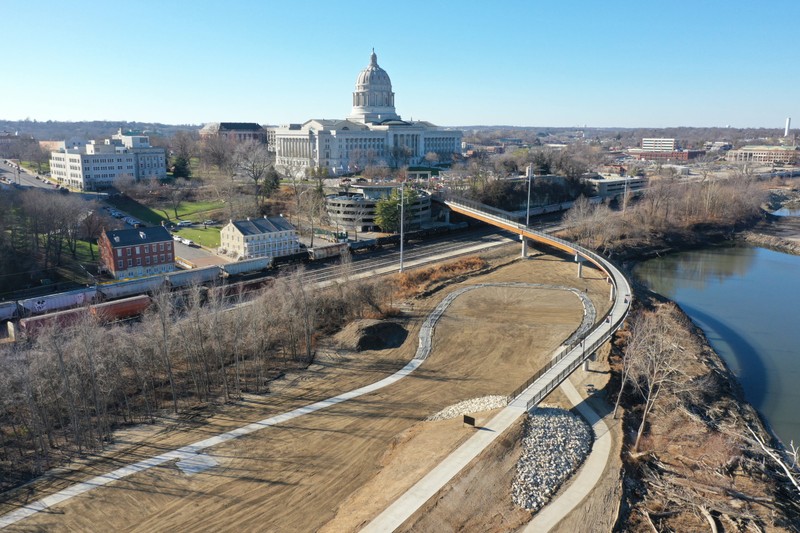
<point>554,444</point>
<point>474,405</point>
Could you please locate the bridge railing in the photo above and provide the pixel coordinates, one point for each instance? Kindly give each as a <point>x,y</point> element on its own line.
<point>615,276</point>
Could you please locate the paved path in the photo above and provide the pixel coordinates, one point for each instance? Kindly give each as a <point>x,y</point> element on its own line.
<point>567,361</point>
<point>194,453</point>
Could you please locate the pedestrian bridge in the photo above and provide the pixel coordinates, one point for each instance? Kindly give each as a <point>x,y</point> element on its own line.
<point>572,356</point>
<point>535,388</point>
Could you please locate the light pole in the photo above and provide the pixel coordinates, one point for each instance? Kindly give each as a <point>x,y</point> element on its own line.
<point>402,224</point>
<point>528,210</point>
<point>527,213</point>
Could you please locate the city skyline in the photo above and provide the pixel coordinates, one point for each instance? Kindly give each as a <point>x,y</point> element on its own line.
<point>453,64</point>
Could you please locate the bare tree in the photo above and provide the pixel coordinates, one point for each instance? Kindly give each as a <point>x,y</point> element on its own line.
<point>184,145</point>
<point>656,360</point>
<point>92,225</point>
<point>177,192</point>
<point>254,161</point>
<point>162,317</point>
<point>219,151</point>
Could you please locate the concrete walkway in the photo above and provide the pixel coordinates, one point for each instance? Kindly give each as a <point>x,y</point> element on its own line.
<point>589,473</point>
<point>413,499</point>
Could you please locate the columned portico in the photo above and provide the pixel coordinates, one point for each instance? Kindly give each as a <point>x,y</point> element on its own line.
<point>372,135</point>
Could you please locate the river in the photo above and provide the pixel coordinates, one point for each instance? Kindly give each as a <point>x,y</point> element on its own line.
<point>747,301</point>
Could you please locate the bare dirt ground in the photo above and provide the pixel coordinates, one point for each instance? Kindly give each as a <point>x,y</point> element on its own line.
<point>322,467</point>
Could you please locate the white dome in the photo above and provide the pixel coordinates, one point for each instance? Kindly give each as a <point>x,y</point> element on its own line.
<point>373,76</point>
<point>373,99</point>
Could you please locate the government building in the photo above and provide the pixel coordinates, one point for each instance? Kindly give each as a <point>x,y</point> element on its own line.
<point>373,134</point>
<point>92,166</point>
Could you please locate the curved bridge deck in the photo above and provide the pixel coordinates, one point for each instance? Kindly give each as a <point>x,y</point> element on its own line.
<point>534,390</point>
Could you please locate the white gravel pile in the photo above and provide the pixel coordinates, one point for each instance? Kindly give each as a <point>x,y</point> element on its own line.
<point>554,444</point>
<point>474,405</point>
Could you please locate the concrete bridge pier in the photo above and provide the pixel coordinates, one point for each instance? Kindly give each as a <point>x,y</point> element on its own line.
<point>613,292</point>
<point>524,246</point>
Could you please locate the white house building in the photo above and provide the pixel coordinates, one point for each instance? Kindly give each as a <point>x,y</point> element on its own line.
<point>373,134</point>
<point>92,166</point>
<point>259,237</point>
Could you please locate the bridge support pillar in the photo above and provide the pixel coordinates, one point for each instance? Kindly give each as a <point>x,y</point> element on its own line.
<point>446,216</point>
<point>580,269</point>
<point>585,365</point>
<point>524,246</point>
<point>612,294</point>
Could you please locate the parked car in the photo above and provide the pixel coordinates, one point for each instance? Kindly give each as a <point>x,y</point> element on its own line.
<point>185,223</point>
<point>209,222</point>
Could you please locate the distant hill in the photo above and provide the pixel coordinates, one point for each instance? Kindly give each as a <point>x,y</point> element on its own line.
<point>95,129</point>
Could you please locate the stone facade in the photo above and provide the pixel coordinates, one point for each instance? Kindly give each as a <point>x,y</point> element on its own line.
<point>235,131</point>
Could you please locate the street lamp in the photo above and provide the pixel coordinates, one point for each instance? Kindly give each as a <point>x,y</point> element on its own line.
<point>402,220</point>
<point>528,210</point>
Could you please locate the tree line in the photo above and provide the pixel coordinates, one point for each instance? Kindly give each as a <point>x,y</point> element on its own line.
<point>39,229</point>
<point>64,392</point>
<point>666,208</point>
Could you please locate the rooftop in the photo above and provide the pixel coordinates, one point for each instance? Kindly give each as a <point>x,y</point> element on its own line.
<point>131,237</point>
<point>257,226</point>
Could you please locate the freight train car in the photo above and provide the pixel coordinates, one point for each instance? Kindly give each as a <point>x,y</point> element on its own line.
<point>124,289</point>
<point>324,252</point>
<point>61,300</point>
<point>8,310</point>
<point>184,278</point>
<point>28,327</point>
<point>246,267</point>
<point>105,312</point>
<point>121,309</point>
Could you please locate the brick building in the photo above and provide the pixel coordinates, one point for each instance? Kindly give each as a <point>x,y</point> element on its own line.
<point>133,253</point>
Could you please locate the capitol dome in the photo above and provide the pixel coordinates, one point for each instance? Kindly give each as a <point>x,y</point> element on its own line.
<point>373,99</point>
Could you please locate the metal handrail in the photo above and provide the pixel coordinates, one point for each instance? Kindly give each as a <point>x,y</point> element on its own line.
<point>615,276</point>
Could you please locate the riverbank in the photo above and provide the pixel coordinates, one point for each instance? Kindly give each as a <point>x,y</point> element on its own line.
<point>701,463</point>
<point>697,455</point>
<point>781,234</point>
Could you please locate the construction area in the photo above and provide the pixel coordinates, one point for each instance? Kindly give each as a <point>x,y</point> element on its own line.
<point>337,468</point>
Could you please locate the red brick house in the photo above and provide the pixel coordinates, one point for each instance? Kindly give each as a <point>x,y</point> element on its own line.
<point>132,253</point>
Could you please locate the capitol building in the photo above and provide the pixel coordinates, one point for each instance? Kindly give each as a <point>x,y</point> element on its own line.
<point>373,134</point>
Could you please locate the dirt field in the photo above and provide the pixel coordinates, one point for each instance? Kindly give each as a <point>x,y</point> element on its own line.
<point>343,464</point>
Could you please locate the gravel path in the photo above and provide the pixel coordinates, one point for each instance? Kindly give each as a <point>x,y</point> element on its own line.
<point>554,445</point>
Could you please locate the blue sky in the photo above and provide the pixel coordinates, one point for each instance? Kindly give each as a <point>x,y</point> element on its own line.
<point>523,63</point>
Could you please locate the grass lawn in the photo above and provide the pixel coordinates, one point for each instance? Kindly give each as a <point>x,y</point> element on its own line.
<point>194,211</point>
<point>84,256</point>
<point>204,237</point>
<point>44,167</point>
